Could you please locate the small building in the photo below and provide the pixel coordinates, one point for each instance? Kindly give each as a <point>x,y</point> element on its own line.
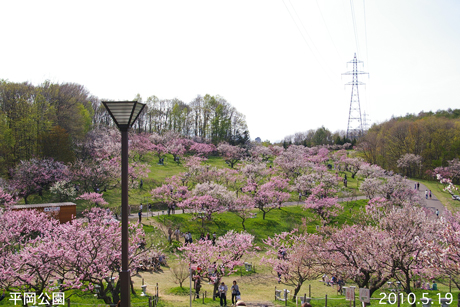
<point>64,212</point>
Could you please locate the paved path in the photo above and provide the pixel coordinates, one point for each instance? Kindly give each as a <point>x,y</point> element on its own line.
<point>431,203</point>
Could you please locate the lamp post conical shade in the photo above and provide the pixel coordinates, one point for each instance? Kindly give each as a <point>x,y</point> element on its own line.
<point>124,113</point>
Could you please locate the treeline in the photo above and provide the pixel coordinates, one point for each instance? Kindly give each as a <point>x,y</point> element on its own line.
<point>320,136</point>
<point>435,137</point>
<point>49,120</point>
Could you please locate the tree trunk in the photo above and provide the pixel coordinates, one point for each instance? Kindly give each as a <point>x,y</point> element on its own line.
<point>296,290</point>
<point>132,286</point>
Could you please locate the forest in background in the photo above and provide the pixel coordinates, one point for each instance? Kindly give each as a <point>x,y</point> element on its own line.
<point>434,136</point>
<point>50,120</point>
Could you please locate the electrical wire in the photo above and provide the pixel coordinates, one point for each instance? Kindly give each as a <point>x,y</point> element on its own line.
<point>365,32</point>
<point>330,36</point>
<point>303,36</point>
<point>353,17</point>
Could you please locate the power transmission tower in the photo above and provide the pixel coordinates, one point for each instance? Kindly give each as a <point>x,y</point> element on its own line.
<point>355,121</point>
<point>366,121</point>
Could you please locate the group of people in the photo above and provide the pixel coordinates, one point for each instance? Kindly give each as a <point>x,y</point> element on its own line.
<point>236,295</point>
<point>333,281</point>
<point>188,237</point>
<point>153,264</point>
<point>426,286</point>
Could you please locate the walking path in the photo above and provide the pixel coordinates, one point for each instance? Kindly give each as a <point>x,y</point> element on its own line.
<point>431,203</point>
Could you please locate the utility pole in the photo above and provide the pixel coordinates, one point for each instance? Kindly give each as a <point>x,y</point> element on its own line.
<point>355,121</point>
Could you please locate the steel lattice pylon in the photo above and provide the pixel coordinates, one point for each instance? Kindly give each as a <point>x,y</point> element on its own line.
<point>355,121</point>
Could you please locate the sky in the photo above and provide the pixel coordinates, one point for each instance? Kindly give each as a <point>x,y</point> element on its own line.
<point>279,62</point>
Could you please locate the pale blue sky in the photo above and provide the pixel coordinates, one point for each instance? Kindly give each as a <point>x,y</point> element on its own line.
<point>250,52</point>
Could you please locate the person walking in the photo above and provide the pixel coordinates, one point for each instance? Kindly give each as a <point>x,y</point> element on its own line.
<point>437,213</point>
<point>223,294</point>
<point>430,194</point>
<point>235,292</point>
<point>418,185</point>
<point>197,286</point>
<point>426,194</point>
<point>140,216</point>
<point>177,233</point>
<point>170,232</point>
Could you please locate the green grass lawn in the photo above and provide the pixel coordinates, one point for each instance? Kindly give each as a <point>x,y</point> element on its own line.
<point>276,221</point>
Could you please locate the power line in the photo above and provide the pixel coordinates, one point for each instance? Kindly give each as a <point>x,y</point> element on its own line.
<point>353,17</point>
<point>365,32</point>
<point>330,36</point>
<point>303,36</point>
<point>313,43</point>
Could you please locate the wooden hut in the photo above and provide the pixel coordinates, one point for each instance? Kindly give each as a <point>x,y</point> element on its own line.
<point>63,212</point>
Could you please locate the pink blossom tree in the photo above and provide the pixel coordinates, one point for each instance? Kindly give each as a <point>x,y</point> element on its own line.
<point>171,193</point>
<point>231,154</point>
<point>269,195</point>
<point>321,204</point>
<point>34,176</point>
<point>208,198</point>
<point>408,227</point>
<point>160,151</point>
<point>93,198</point>
<point>295,257</point>
<point>260,153</point>
<point>445,249</point>
<point>7,199</point>
<point>371,187</point>
<point>23,265</point>
<point>202,149</point>
<point>221,258</point>
<point>410,164</point>
<point>368,170</point>
<point>91,253</point>
<point>136,172</point>
<point>353,165</point>
<point>293,161</point>
<point>177,147</point>
<point>242,207</point>
<point>360,254</point>
<point>140,145</point>
<point>94,175</point>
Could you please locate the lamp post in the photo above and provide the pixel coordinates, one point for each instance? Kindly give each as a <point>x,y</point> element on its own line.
<point>124,114</point>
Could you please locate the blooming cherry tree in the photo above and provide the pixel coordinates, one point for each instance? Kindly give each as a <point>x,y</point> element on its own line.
<point>221,258</point>
<point>171,193</point>
<point>93,198</point>
<point>207,199</point>
<point>231,154</point>
<point>295,257</point>
<point>269,195</point>
<point>321,204</point>
<point>202,149</point>
<point>34,176</point>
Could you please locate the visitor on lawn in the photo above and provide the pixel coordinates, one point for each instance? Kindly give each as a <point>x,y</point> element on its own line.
<point>223,294</point>
<point>435,286</point>
<point>235,292</point>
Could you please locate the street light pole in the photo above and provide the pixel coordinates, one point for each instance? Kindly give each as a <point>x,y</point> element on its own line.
<point>124,114</point>
<point>125,274</point>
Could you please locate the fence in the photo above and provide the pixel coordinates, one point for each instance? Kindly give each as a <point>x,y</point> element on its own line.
<point>152,301</point>
<point>286,295</point>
